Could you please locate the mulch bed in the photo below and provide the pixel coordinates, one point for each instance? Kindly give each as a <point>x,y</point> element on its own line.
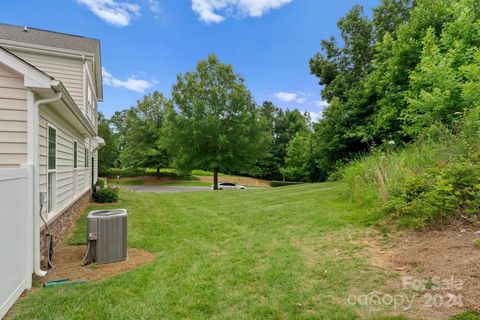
<point>67,261</point>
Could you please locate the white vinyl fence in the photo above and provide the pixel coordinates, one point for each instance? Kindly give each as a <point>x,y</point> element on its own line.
<point>16,226</point>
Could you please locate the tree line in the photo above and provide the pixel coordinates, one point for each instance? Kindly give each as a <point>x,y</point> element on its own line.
<point>393,73</point>
<point>211,122</point>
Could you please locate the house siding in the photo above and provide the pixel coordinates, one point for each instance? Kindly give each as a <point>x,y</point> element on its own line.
<point>67,70</point>
<point>13,119</point>
<point>70,182</point>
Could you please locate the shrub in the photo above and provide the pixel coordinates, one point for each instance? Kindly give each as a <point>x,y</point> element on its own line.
<point>438,196</point>
<point>101,183</point>
<point>476,243</point>
<point>202,173</point>
<point>106,195</point>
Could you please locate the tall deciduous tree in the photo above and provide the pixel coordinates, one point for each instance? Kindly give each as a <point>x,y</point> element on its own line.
<point>108,155</point>
<point>340,68</point>
<point>119,126</point>
<point>283,126</point>
<point>389,15</point>
<point>300,163</point>
<point>215,123</point>
<point>144,147</point>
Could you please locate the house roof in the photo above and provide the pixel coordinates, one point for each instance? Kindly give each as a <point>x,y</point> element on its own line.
<point>28,36</point>
<point>49,38</point>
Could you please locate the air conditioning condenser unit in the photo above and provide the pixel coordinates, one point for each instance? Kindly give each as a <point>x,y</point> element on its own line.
<point>106,236</point>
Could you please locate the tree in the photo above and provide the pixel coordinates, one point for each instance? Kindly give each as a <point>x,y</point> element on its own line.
<point>119,126</point>
<point>215,123</point>
<point>108,155</point>
<point>389,15</point>
<point>338,69</point>
<point>300,161</point>
<point>437,85</point>
<point>267,166</point>
<point>406,81</point>
<point>283,126</point>
<point>144,146</point>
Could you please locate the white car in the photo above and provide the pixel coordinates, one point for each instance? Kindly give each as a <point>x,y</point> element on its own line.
<point>229,185</point>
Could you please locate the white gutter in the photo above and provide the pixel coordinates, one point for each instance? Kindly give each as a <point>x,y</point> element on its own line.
<point>46,50</point>
<point>36,179</point>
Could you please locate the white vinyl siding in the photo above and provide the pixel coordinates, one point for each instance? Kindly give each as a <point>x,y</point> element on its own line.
<point>13,119</point>
<point>66,191</point>
<point>67,70</point>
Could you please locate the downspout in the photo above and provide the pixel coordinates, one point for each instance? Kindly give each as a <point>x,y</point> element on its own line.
<point>36,216</point>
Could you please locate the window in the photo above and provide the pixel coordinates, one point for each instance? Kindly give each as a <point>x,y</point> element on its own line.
<point>52,148</point>
<point>75,166</point>
<point>86,158</point>
<point>75,154</point>
<point>52,167</point>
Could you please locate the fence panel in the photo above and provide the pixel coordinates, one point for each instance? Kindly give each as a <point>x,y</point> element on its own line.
<point>15,235</point>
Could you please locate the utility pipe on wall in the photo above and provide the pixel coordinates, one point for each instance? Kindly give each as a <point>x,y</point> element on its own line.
<point>36,214</point>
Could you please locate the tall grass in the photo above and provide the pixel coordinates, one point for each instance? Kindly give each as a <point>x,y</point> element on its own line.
<point>374,179</point>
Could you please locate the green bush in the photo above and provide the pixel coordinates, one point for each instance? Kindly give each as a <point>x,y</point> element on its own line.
<point>283,183</point>
<point>202,173</point>
<point>101,183</point>
<point>106,195</point>
<point>440,195</point>
<point>476,243</point>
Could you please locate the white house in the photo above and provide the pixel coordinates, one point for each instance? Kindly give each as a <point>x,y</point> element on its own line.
<point>50,84</point>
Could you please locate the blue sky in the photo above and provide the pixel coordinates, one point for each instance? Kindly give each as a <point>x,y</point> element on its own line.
<point>146,43</point>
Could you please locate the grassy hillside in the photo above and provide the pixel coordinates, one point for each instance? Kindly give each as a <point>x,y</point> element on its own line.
<point>434,180</point>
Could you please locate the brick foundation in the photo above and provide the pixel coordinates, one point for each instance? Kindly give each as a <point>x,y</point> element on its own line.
<point>61,225</point>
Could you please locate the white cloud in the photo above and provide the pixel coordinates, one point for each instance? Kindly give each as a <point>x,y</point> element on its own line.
<point>286,96</point>
<point>322,104</point>
<point>315,116</point>
<point>155,7</point>
<point>298,97</point>
<point>115,12</point>
<point>131,83</point>
<point>301,100</point>
<point>216,11</point>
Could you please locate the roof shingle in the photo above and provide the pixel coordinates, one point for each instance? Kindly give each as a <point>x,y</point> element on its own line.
<point>49,38</point>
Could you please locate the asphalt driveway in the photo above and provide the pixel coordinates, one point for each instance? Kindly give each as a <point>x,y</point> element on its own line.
<point>165,189</point>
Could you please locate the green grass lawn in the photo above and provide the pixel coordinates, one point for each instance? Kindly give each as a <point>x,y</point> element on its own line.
<point>277,253</point>
<point>140,182</point>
